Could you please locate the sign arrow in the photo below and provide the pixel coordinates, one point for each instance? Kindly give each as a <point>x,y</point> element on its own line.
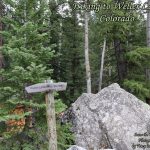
<point>43,87</point>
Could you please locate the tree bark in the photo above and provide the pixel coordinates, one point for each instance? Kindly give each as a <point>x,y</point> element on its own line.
<point>1,40</point>
<point>87,63</point>
<point>147,70</point>
<point>148,38</point>
<point>102,65</point>
<point>148,25</point>
<point>121,62</point>
<point>51,121</point>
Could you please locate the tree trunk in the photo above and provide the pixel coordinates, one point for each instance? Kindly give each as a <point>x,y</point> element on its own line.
<point>102,65</point>
<point>148,25</point>
<point>87,63</point>
<point>1,40</point>
<point>148,38</point>
<point>60,49</point>
<point>147,70</point>
<point>51,121</point>
<point>121,62</point>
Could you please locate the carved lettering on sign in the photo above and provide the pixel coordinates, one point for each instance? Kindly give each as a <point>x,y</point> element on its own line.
<point>43,87</point>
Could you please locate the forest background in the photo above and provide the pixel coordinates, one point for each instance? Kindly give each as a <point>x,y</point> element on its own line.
<point>41,39</point>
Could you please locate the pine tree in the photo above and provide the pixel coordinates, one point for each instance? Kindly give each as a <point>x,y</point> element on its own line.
<point>123,38</point>
<point>27,52</point>
<point>136,81</point>
<point>71,67</point>
<point>26,48</point>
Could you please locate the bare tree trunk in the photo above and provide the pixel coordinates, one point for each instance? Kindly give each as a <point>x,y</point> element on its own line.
<point>102,65</point>
<point>1,27</point>
<point>147,70</point>
<point>1,40</point>
<point>148,25</point>
<point>60,48</point>
<point>121,62</point>
<point>87,63</point>
<point>1,14</point>
<point>148,38</point>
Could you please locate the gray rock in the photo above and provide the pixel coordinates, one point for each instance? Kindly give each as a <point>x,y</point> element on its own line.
<point>113,118</point>
<point>74,147</point>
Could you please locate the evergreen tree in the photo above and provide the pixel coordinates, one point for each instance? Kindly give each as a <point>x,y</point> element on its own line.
<point>25,48</point>
<point>122,37</point>
<point>28,52</point>
<point>136,81</point>
<point>72,51</point>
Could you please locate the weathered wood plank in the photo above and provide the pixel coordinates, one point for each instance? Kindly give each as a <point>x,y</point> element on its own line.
<point>43,87</point>
<point>51,121</point>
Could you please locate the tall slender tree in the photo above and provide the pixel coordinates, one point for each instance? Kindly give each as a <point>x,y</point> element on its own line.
<point>87,62</point>
<point>70,65</point>
<point>148,37</point>
<point>1,28</point>
<point>148,25</point>
<point>27,53</point>
<point>102,65</point>
<point>147,70</point>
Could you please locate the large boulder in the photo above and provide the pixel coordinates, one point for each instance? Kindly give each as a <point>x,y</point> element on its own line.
<point>113,119</point>
<point>75,147</point>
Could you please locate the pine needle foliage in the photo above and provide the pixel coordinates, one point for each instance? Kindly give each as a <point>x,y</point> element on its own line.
<point>28,52</point>
<point>137,82</point>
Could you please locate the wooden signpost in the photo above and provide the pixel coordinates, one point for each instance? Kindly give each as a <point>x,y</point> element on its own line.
<point>49,87</point>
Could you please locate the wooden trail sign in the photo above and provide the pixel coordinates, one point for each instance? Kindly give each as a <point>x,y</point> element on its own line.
<point>49,87</point>
<point>43,87</point>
